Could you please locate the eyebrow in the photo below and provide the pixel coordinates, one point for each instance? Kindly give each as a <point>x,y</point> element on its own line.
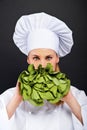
<point>49,55</point>
<point>39,56</point>
<point>35,55</point>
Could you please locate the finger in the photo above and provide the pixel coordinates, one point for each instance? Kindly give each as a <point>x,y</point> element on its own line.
<point>18,83</point>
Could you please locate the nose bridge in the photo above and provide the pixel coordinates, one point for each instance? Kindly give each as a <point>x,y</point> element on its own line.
<point>43,62</point>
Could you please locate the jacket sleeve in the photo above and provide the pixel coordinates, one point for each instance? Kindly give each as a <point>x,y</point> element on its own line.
<point>82,99</point>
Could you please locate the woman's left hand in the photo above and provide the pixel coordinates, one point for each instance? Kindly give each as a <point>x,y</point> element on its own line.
<point>68,97</point>
<point>74,105</point>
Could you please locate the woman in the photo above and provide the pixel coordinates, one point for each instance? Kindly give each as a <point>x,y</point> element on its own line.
<point>44,39</point>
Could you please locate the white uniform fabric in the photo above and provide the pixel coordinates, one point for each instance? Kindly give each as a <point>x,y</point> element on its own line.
<point>47,117</point>
<point>41,30</point>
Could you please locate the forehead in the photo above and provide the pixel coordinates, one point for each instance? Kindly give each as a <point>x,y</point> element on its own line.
<point>42,52</point>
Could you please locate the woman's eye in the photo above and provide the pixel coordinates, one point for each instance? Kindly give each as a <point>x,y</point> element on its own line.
<point>48,58</point>
<point>35,58</point>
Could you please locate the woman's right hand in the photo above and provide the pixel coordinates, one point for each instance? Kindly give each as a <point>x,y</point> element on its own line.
<point>14,102</point>
<point>17,92</point>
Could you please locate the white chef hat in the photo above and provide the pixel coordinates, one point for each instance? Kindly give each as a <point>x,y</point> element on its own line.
<point>41,30</point>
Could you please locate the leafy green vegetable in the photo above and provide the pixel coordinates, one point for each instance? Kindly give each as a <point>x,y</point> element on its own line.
<point>42,84</point>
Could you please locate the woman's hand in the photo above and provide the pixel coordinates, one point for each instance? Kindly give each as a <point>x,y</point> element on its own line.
<point>68,97</point>
<point>74,105</point>
<point>14,102</point>
<point>17,92</point>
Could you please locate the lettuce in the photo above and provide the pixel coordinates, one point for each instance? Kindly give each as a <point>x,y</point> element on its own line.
<point>38,85</point>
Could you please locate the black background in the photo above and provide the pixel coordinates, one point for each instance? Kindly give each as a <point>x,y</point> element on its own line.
<point>12,61</point>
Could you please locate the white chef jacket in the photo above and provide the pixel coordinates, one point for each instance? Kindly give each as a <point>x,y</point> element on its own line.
<point>47,117</point>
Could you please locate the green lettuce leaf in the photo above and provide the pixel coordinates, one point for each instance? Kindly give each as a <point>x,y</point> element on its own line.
<point>38,85</point>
